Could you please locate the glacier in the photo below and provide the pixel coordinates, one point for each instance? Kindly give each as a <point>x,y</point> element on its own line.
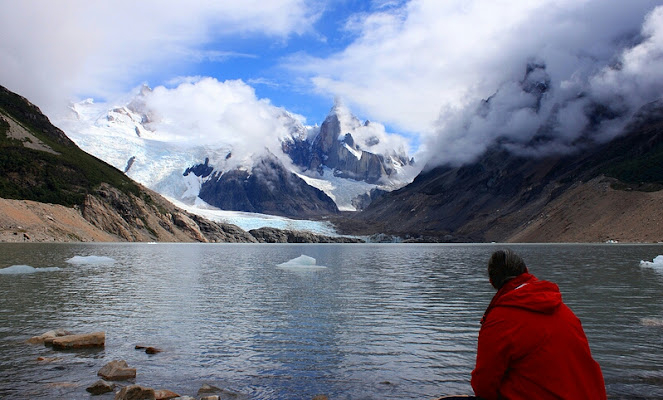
<point>248,221</point>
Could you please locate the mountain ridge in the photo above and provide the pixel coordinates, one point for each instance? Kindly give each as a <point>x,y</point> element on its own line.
<point>601,192</point>
<point>51,190</point>
<point>345,160</point>
<point>499,195</point>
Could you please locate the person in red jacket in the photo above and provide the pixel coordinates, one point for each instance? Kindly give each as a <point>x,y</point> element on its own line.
<point>531,345</point>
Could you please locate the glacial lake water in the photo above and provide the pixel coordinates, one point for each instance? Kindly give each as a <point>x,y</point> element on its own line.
<point>377,322</point>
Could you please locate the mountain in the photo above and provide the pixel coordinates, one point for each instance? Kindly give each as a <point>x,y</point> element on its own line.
<point>335,147</point>
<point>600,192</point>
<point>267,189</point>
<point>300,171</point>
<point>52,190</point>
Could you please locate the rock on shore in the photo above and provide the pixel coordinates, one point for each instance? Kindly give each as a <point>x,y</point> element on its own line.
<point>48,337</point>
<point>117,370</point>
<point>273,235</point>
<point>135,392</point>
<point>95,339</point>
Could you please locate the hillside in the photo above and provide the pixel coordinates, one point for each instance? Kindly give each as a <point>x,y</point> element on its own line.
<point>52,190</point>
<point>601,192</point>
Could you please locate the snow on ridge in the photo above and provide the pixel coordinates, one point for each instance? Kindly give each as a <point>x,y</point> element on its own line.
<point>354,152</point>
<point>369,136</point>
<point>341,190</point>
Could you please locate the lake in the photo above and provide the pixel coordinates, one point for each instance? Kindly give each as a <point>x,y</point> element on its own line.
<point>367,321</point>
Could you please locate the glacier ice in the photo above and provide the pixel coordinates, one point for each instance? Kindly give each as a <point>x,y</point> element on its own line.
<point>248,221</point>
<point>301,262</point>
<point>79,260</point>
<point>25,269</point>
<point>655,322</point>
<point>656,263</point>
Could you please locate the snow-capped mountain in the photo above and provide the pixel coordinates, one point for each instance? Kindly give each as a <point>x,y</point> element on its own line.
<point>286,168</point>
<point>352,149</point>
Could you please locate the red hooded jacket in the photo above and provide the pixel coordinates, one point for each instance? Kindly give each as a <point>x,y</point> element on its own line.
<point>532,346</point>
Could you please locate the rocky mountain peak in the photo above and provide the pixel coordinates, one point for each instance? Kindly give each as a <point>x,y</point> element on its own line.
<point>344,144</point>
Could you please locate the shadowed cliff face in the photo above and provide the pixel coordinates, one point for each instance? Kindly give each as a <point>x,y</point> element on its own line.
<point>501,193</point>
<point>268,189</point>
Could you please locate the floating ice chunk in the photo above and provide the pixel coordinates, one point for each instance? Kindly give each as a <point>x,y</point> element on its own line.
<point>658,322</point>
<point>656,263</point>
<point>301,262</point>
<point>25,269</point>
<point>78,260</point>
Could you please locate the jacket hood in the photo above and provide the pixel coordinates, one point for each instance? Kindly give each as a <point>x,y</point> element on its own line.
<point>527,292</point>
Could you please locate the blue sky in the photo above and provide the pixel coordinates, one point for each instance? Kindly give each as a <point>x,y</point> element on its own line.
<point>420,67</point>
<point>259,60</point>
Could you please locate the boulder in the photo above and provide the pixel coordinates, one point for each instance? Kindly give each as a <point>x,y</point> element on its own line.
<point>117,370</point>
<point>95,339</point>
<point>135,392</point>
<point>100,387</point>
<point>153,350</point>
<point>164,394</point>
<point>47,337</point>
<point>208,389</point>
<point>148,349</point>
<point>48,359</point>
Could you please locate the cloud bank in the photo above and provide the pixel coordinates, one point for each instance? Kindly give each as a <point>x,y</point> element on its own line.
<point>56,50</point>
<point>465,73</point>
<point>455,75</point>
<point>202,112</point>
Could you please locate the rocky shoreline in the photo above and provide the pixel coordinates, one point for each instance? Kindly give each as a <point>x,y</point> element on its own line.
<point>30,221</point>
<point>118,377</point>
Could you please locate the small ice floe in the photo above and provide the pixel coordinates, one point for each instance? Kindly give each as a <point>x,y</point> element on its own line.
<point>656,263</point>
<point>301,263</point>
<point>658,322</point>
<point>25,269</point>
<point>78,260</point>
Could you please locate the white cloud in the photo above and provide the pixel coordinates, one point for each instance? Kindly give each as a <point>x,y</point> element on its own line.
<point>419,66</point>
<point>426,66</point>
<point>55,49</point>
<point>204,111</point>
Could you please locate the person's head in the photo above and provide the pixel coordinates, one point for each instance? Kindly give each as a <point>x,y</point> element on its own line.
<point>504,265</point>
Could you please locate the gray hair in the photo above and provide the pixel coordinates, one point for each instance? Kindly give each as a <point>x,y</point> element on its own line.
<point>504,265</point>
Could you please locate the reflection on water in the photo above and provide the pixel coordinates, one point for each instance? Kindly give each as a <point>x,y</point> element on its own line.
<point>379,322</point>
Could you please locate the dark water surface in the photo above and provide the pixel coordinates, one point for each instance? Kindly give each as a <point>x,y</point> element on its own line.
<point>380,322</point>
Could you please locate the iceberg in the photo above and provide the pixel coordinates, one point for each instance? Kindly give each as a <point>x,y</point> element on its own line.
<point>79,260</point>
<point>656,263</point>
<point>25,269</point>
<point>301,263</point>
<point>655,322</point>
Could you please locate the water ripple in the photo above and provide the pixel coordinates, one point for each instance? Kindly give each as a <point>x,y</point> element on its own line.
<point>380,322</point>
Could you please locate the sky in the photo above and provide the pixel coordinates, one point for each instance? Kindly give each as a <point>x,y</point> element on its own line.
<point>449,76</point>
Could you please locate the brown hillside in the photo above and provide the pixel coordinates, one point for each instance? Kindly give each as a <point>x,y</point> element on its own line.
<point>595,212</point>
